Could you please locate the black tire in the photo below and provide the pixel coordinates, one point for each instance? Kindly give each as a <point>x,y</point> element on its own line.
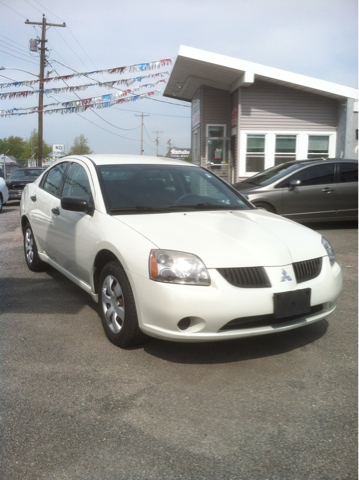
<point>117,307</point>
<point>33,261</point>
<point>1,203</point>
<point>265,206</point>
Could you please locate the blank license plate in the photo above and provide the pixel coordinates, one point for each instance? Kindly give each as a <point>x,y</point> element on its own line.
<point>287,304</point>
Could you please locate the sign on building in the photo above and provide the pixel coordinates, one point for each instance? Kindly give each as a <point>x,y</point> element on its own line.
<point>180,153</point>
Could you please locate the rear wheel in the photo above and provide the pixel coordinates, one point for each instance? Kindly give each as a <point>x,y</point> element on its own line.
<point>117,307</point>
<point>32,258</point>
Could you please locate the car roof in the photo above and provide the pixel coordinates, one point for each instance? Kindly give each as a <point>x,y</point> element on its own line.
<point>29,168</point>
<point>124,159</point>
<point>314,161</point>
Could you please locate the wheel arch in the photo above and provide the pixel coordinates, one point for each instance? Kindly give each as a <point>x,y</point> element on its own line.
<point>265,205</point>
<point>103,257</point>
<point>24,221</point>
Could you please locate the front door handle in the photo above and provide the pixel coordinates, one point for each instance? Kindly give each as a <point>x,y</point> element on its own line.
<point>33,198</point>
<point>56,211</point>
<point>328,190</point>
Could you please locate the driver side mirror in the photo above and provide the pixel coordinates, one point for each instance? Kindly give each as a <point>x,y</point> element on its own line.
<point>76,204</point>
<point>294,183</point>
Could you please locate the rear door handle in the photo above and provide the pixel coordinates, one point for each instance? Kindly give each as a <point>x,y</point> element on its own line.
<point>33,198</point>
<point>56,211</point>
<point>328,190</point>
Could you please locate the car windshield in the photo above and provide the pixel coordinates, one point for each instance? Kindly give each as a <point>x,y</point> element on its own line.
<point>26,172</point>
<point>274,173</point>
<point>150,188</point>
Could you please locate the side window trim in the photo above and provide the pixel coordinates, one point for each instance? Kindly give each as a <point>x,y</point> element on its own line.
<point>60,186</point>
<point>65,176</point>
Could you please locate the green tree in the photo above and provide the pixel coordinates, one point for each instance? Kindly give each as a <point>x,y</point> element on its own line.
<point>31,146</point>
<point>13,146</point>
<point>80,146</point>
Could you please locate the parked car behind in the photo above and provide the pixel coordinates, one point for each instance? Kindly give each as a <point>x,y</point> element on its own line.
<point>170,250</point>
<point>21,177</point>
<point>306,190</point>
<point>4,193</point>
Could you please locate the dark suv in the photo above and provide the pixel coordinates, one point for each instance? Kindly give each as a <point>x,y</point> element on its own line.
<point>306,190</point>
<point>21,177</point>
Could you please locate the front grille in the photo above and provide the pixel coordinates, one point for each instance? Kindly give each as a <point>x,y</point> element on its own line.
<point>307,270</point>
<point>18,186</point>
<point>266,320</point>
<point>246,277</point>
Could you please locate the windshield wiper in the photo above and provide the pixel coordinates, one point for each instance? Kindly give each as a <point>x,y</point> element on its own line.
<point>138,209</point>
<point>202,206</point>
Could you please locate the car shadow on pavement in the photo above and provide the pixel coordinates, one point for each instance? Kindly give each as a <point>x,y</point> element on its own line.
<point>42,292</point>
<point>7,209</point>
<point>238,350</point>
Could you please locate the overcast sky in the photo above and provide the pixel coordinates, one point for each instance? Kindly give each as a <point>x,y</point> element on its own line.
<point>318,38</point>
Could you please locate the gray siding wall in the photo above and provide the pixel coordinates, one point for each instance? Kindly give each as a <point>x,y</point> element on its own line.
<point>215,110</point>
<point>266,106</point>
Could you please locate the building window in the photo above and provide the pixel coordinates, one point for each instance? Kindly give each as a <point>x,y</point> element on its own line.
<point>216,144</point>
<point>285,148</point>
<point>318,146</point>
<point>255,153</point>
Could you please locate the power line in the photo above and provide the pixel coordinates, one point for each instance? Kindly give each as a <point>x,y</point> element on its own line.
<point>12,9</point>
<point>23,59</point>
<point>13,46</point>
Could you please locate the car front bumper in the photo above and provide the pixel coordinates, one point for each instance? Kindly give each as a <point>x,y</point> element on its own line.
<point>207,310</point>
<point>15,194</point>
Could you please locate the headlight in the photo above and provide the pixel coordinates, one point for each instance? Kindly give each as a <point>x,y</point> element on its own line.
<point>178,267</point>
<point>329,250</point>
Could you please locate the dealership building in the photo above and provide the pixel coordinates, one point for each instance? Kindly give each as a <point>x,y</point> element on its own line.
<point>248,117</point>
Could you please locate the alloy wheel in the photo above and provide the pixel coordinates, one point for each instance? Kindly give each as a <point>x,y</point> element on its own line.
<point>113,304</point>
<point>29,245</point>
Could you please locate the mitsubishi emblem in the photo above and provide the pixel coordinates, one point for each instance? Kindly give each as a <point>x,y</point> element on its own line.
<point>285,276</point>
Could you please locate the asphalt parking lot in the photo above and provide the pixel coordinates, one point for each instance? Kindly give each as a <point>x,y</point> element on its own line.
<point>73,406</point>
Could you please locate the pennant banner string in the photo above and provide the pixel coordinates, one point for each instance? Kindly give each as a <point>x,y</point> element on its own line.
<point>82,107</point>
<point>75,88</point>
<point>85,101</point>
<point>141,67</point>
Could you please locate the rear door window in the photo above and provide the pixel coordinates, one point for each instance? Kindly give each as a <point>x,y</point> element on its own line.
<point>347,172</point>
<point>322,174</point>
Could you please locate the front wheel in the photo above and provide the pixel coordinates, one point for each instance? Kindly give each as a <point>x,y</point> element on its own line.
<point>118,308</point>
<point>1,203</point>
<point>32,258</point>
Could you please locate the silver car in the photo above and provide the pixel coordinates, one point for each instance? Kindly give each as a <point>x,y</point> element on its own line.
<point>4,193</point>
<point>306,190</point>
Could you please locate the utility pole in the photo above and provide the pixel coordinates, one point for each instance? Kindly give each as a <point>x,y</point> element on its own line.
<point>157,139</point>
<point>142,115</point>
<point>43,41</point>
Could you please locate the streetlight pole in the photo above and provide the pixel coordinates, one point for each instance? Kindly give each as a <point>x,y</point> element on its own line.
<point>3,157</point>
<point>20,69</point>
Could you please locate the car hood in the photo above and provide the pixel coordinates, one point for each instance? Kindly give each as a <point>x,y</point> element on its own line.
<point>224,239</point>
<point>22,180</point>
<point>241,186</point>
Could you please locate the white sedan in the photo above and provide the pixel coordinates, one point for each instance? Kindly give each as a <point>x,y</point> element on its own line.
<point>170,250</point>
